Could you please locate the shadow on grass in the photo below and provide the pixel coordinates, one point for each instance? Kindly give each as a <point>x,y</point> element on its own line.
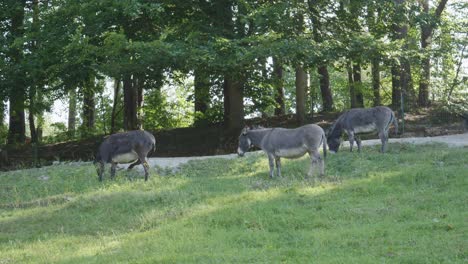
<point>359,221</point>
<point>232,207</point>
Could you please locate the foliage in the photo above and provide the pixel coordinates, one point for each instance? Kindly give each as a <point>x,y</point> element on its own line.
<point>64,44</point>
<point>366,208</point>
<point>58,133</point>
<point>162,113</point>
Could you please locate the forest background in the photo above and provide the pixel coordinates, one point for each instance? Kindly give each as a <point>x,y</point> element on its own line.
<point>129,64</point>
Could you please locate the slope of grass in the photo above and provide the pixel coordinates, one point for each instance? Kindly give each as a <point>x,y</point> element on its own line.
<point>406,206</point>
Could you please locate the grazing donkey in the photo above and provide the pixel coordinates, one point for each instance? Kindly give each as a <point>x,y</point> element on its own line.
<point>128,147</point>
<point>286,143</point>
<point>360,120</point>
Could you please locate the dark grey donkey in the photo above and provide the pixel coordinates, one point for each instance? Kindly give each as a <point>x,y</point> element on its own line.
<point>359,120</point>
<point>286,143</point>
<point>128,147</point>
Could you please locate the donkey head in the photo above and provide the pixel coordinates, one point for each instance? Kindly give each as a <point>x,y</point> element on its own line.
<point>334,138</point>
<point>333,144</point>
<point>244,142</point>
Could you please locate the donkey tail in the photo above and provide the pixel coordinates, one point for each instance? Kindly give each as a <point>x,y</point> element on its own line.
<point>324,145</point>
<point>395,123</point>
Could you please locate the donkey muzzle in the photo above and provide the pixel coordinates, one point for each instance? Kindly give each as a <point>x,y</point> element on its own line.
<point>240,153</point>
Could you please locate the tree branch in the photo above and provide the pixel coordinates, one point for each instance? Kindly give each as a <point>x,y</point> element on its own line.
<point>440,8</point>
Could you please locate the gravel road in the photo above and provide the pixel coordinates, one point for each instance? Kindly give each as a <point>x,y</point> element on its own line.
<point>458,140</point>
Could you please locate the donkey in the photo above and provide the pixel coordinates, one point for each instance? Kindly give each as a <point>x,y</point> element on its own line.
<point>280,143</point>
<point>128,147</point>
<point>360,120</point>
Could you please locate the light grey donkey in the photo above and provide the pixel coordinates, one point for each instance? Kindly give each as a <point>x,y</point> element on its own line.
<point>127,147</point>
<point>360,120</point>
<point>280,143</point>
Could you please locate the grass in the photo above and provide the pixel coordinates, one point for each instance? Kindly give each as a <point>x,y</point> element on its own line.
<point>406,206</point>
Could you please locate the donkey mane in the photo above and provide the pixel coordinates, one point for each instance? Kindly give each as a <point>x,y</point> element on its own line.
<point>336,130</point>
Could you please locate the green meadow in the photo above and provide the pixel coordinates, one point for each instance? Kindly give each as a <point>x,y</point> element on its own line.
<point>409,205</point>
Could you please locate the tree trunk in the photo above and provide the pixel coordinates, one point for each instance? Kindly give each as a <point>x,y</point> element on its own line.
<point>376,81</point>
<point>115,103</point>
<point>427,29</point>
<point>201,85</point>
<point>301,94</point>
<point>138,83</point>
<point>406,83</point>
<point>352,90</point>
<point>2,113</point>
<point>426,38</point>
<point>324,79</point>
<point>357,81</point>
<point>130,104</point>
<point>278,83</point>
<point>312,95</point>
<point>32,125</point>
<point>72,113</point>
<point>39,127</point>
<point>233,103</point>
<point>423,96</point>
<point>89,106</point>
<point>17,129</point>
<point>455,81</point>
<point>322,70</point>
<point>396,87</point>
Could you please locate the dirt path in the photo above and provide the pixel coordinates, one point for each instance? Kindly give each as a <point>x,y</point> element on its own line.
<point>458,140</point>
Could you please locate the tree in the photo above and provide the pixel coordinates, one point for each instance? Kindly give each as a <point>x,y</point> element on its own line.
<point>34,89</point>
<point>357,85</point>
<point>375,70</point>
<point>72,100</point>
<point>233,102</point>
<point>322,70</point>
<point>352,88</point>
<point>301,74</point>
<point>402,72</point>
<point>278,83</point>
<point>201,85</point>
<point>226,46</point>
<point>89,105</point>
<point>376,21</point>
<point>2,112</point>
<point>428,24</point>
<point>115,104</point>
<point>301,94</point>
<point>130,102</point>
<point>17,130</point>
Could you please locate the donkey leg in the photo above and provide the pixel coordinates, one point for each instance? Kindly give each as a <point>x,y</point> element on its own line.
<point>272,165</point>
<point>351,140</point>
<point>312,163</point>
<point>318,159</point>
<point>278,166</point>
<point>134,164</point>
<point>146,167</point>
<point>383,138</point>
<point>144,162</point>
<point>101,170</point>
<point>113,166</point>
<point>358,143</point>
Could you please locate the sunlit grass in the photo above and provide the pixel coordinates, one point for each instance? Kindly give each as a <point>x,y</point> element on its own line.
<point>406,206</point>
